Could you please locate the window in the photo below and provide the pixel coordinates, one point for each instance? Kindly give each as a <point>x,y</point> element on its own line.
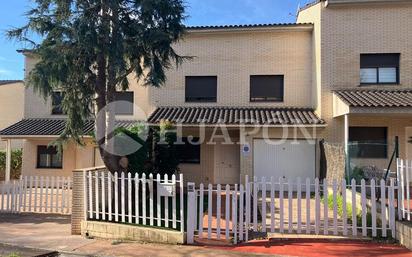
<point>57,98</point>
<point>266,88</point>
<point>189,152</point>
<point>368,142</point>
<point>201,89</point>
<point>125,104</point>
<point>379,68</point>
<point>48,157</point>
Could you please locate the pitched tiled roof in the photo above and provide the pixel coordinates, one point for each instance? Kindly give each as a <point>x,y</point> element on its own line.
<point>265,25</point>
<point>236,116</point>
<point>50,127</point>
<point>5,82</point>
<point>376,98</point>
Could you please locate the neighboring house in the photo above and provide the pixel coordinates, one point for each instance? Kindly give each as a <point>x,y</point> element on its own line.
<point>342,73</point>
<point>11,107</point>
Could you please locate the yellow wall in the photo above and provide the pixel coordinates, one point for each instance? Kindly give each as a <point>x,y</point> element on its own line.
<point>74,157</point>
<point>11,108</point>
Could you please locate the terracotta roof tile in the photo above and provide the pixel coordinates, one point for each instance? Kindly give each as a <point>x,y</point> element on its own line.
<point>5,82</point>
<point>50,127</point>
<point>264,25</point>
<point>236,116</point>
<point>375,98</point>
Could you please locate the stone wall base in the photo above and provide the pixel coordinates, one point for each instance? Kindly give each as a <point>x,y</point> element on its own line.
<point>404,234</point>
<point>116,231</point>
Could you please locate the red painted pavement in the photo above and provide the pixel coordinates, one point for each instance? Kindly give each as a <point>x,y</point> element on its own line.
<point>320,248</point>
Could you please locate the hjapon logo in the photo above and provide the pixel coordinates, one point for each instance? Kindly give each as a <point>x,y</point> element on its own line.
<point>117,142</point>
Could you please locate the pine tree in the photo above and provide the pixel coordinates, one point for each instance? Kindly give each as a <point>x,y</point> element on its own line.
<point>89,47</point>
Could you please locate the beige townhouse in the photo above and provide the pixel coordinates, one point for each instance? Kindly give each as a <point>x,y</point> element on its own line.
<point>362,61</point>
<point>259,98</point>
<point>11,108</point>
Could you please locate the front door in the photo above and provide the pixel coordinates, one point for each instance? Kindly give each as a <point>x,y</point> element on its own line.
<point>408,139</point>
<point>227,164</point>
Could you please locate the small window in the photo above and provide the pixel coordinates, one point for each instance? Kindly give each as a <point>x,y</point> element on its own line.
<point>379,68</point>
<point>368,142</point>
<point>201,89</point>
<point>48,157</point>
<point>57,99</point>
<point>124,106</point>
<point>266,88</point>
<point>188,152</point>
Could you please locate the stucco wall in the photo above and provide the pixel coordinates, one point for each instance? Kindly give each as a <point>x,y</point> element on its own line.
<point>11,108</point>
<point>74,157</point>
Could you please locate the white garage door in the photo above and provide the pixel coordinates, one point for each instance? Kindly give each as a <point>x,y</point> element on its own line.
<point>291,159</point>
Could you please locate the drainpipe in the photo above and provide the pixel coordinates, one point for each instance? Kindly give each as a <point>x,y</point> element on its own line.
<point>8,160</point>
<point>346,143</point>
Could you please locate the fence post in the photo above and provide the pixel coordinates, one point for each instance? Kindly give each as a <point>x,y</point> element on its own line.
<point>78,208</point>
<point>191,212</point>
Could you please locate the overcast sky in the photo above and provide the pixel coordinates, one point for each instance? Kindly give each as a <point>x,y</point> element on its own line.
<point>200,12</point>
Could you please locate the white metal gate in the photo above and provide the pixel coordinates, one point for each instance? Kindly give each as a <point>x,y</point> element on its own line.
<point>241,212</point>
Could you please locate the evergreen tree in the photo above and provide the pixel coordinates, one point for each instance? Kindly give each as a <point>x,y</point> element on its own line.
<point>89,47</point>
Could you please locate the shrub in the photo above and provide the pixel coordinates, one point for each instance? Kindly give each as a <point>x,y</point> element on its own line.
<point>16,162</point>
<point>157,152</point>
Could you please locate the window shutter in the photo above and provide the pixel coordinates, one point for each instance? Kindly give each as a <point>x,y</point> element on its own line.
<point>379,60</point>
<point>124,103</point>
<point>201,88</point>
<point>266,87</point>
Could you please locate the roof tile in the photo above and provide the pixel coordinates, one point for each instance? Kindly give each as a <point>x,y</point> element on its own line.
<point>51,127</point>
<point>236,116</point>
<point>375,98</point>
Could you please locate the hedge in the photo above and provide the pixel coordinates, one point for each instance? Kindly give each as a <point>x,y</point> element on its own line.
<point>16,161</point>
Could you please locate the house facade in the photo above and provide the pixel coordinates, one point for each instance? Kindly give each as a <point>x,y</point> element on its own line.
<point>259,98</point>
<point>11,111</point>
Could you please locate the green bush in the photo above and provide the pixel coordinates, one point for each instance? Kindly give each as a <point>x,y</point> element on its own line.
<point>16,162</point>
<point>357,174</point>
<point>157,153</point>
<point>339,203</point>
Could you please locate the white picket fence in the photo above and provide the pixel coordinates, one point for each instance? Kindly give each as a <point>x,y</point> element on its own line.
<point>132,199</point>
<point>404,175</point>
<point>36,194</point>
<point>239,212</point>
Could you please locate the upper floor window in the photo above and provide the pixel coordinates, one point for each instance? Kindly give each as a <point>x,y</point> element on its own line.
<point>57,98</point>
<point>379,68</point>
<point>266,88</point>
<point>48,157</point>
<point>124,104</point>
<point>201,89</point>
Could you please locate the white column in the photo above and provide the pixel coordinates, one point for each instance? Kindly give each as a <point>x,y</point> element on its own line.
<point>346,142</point>
<point>8,160</point>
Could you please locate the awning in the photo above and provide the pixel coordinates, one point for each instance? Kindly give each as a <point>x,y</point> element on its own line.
<point>50,127</point>
<point>236,116</point>
<point>371,101</point>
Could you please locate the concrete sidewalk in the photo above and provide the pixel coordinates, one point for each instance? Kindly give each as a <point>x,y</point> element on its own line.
<point>52,232</point>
